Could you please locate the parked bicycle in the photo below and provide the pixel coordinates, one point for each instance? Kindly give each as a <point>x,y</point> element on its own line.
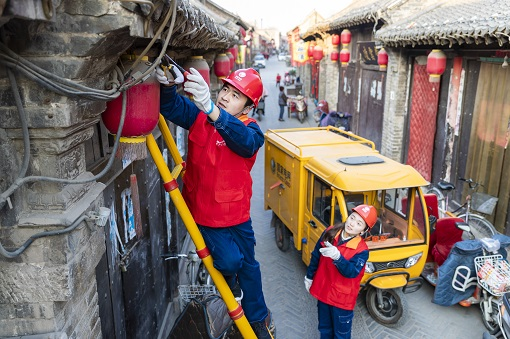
<point>479,202</point>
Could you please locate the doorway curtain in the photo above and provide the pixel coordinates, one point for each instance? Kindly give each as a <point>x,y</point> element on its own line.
<point>488,160</point>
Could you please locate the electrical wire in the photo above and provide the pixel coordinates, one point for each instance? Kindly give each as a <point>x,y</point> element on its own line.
<point>24,124</point>
<point>20,181</point>
<point>65,86</point>
<point>26,244</point>
<point>96,93</point>
<point>173,14</point>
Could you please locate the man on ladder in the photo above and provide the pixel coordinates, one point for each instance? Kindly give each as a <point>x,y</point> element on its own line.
<point>222,147</point>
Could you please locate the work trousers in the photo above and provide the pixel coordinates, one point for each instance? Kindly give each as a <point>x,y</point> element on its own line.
<point>334,322</point>
<point>233,252</point>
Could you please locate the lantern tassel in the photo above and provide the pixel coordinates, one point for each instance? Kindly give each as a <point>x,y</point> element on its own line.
<point>132,148</point>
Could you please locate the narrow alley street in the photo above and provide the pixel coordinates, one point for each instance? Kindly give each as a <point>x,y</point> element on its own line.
<point>283,272</point>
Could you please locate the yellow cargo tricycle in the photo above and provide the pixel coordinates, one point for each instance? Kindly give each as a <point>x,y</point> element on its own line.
<point>313,179</point>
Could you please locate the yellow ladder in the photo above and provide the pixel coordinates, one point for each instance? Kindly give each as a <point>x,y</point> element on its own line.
<point>170,184</point>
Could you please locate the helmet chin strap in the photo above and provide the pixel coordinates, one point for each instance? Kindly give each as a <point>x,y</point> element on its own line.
<point>244,109</point>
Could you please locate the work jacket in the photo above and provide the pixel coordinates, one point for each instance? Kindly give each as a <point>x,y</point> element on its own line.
<point>217,182</point>
<point>329,285</point>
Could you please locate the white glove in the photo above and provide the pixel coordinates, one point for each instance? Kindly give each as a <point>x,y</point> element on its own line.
<point>308,284</point>
<point>167,78</point>
<point>197,86</point>
<point>330,251</point>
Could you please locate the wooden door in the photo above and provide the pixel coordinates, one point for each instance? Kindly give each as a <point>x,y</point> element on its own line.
<point>371,111</point>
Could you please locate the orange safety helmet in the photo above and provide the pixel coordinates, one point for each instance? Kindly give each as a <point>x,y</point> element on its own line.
<point>248,82</point>
<point>368,213</point>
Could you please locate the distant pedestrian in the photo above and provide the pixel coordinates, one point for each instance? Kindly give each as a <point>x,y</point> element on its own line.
<point>335,271</point>
<point>282,101</point>
<point>278,79</point>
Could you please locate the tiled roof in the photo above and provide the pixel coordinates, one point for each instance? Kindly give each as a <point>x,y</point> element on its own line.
<point>360,12</point>
<point>198,28</point>
<point>451,22</point>
<point>357,13</point>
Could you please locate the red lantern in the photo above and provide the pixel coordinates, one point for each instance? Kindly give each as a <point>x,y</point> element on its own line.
<point>335,39</point>
<point>382,59</point>
<point>311,47</point>
<point>436,65</point>
<point>334,55</point>
<point>345,57</point>
<point>231,60</point>
<point>142,114</point>
<point>222,65</point>
<point>345,37</point>
<point>318,54</point>
<point>233,50</point>
<point>199,63</point>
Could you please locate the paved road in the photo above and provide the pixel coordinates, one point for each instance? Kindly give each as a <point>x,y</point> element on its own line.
<point>294,309</point>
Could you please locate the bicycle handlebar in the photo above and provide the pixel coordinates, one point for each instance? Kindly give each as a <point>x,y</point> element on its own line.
<point>472,184</point>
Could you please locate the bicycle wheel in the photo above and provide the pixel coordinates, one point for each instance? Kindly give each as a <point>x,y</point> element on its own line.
<point>480,227</point>
<point>441,200</point>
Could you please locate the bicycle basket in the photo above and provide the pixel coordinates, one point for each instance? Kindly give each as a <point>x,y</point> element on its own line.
<point>483,203</point>
<point>493,273</point>
<point>188,292</point>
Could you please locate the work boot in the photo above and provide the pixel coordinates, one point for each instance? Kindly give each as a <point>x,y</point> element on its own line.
<point>265,329</point>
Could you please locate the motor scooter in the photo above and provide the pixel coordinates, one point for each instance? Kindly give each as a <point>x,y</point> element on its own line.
<point>286,79</point>
<point>299,106</point>
<point>321,110</point>
<point>503,319</point>
<point>341,120</point>
<point>490,274</point>
<point>260,109</point>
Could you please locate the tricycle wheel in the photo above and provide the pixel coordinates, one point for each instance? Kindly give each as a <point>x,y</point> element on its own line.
<point>281,235</point>
<point>391,310</point>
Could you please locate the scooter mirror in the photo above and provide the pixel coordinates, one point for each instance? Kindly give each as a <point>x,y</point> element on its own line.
<point>463,226</point>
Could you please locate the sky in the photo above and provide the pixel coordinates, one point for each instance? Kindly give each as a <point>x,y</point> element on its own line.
<point>282,14</point>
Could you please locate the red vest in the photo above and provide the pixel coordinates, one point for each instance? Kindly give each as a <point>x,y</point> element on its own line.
<point>217,181</point>
<point>330,286</point>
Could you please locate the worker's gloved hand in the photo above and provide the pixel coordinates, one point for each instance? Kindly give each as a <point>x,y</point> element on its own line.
<point>197,86</point>
<point>330,251</point>
<point>308,284</point>
<point>169,76</point>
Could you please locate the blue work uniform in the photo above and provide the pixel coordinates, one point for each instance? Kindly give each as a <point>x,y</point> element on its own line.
<point>233,247</point>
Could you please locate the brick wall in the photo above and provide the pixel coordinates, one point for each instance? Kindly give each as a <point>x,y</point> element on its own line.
<point>395,105</point>
<point>51,287</point>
